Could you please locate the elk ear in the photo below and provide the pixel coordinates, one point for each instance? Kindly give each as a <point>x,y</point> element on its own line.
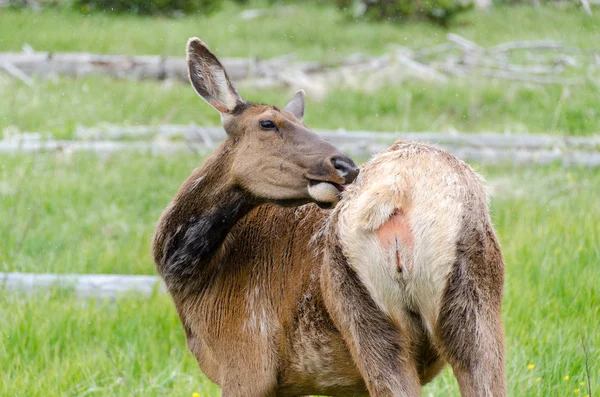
<point>296,105</point>
<point>209,79</point>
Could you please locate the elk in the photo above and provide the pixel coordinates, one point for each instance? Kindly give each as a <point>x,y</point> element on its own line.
<point>293,274</point>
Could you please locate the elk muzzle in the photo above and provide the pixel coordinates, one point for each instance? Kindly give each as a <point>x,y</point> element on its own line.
<point>330,178</point>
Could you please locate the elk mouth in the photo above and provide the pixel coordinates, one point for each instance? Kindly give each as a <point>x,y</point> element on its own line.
<point>339,187</point>
<point>326,194</point>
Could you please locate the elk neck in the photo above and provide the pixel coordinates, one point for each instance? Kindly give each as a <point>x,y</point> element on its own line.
<point>193,227</point>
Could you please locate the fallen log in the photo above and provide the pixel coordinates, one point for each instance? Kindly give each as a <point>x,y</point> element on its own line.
<point>101,147</point>
<point>464,44</point>
<point>534,45</point>
<point>483,148</point>
<point>139,67</point>
<point>451,58</point>
<point>468,70</point>
<point>485,139</point>
<point>16,72</point>
<point>82,285</point>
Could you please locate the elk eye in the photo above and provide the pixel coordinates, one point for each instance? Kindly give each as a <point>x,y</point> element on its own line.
<point>267,125</point>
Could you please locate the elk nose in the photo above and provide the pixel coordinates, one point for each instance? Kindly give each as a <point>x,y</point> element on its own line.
<point>345,167</point>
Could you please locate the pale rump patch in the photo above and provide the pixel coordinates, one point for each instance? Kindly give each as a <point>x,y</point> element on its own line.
<point>396,238</point>
<point>399,225</point>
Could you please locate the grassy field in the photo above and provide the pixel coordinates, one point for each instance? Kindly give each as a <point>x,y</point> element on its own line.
<point>55,345</point>
<point>60,106</point>
<point>314,33</point>
<point>96,215</point>
<point>82,213</point>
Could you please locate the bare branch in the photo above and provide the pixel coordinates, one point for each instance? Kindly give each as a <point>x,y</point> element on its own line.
<point>586,7</point>
<point>16,72</point>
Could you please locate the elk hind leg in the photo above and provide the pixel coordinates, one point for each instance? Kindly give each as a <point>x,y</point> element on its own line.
<point>471,336</point>
<point>381,351</point>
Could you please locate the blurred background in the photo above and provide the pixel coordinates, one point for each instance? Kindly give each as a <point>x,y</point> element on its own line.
<point>99,126</point>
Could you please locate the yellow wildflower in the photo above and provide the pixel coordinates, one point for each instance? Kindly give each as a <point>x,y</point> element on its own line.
<point>566,377</point>
<point>538,380</point>
<point>581,383</point>
<point>576,391</point>
<point>531,366</point>
<point>195,394</point>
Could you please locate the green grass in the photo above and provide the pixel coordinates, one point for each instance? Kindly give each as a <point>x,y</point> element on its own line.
<point>312,32</point>
<point>59,106</point>
<point>84,213</point>
<point>55,345</point>
<point>96,215</point>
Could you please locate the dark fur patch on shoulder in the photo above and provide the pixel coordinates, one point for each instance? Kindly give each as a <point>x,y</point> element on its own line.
<point>190,248</point>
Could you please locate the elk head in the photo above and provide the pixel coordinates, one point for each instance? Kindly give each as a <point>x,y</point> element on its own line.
<point>275,157</point>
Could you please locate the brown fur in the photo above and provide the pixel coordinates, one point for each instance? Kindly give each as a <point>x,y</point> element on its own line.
<point>293,301</point>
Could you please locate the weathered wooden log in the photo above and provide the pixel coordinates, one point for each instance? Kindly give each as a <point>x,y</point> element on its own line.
<point>484,148</point>
<point>489,63</point>
<point>495,140</point>
<point>523,157</point>
<point>586,7</point>
<point>283,71</point>
<point>435,50</point>
<point>140,67</point>
<point>425,72</point>
<point>83,285</point>
<point>529,78</point>
<point>467,70</point>
<point>533,45</point>
<point>16,72</point>
<point>15,146</point>
<point>464,44</point>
